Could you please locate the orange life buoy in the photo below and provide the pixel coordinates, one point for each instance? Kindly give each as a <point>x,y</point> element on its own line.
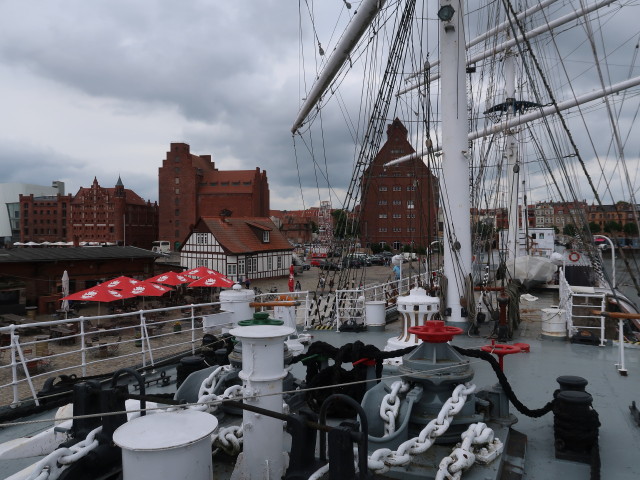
<point>574,256</point>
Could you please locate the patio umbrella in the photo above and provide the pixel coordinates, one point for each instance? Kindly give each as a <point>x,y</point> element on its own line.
<point>169,278</point>
<point>98,294</point>
<point>65,292</point>
<point>121,283</point>
<point>146,289</point>
<point>201,272</point>
<point>212,281</point>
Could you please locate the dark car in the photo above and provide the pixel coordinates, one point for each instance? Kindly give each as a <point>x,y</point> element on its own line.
<point>325,265</point>
<point>306,266</point>
<point>349,262</point>
<point>377,260</point>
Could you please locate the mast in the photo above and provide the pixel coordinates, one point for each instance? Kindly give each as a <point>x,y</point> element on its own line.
<point>511,153</point>
<point>455,165</point>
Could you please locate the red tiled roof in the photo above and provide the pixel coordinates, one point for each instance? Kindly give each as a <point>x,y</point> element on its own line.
<point>244,234</point>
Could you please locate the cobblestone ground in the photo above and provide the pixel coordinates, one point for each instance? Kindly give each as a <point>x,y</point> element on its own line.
<point>113,348</point>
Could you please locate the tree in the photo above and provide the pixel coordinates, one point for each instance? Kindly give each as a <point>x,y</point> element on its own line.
<point>630,229</point>
<point>570,229</point>
<point>376,248</point>
<point>594,227</point>
<point>612,226</point>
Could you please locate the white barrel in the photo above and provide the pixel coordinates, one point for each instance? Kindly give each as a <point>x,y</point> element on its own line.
<point>554,324</point>
<point>374,312</point>
<point>174,445</point>
<point>237,302</point>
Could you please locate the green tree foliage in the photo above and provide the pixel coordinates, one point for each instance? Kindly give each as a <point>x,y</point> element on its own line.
<point>594,227</point>
<point>612,227</point>
<point>570,229</point>
<point>630,229</point>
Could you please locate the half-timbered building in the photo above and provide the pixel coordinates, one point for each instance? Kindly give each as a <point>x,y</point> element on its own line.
<point>240,247</point>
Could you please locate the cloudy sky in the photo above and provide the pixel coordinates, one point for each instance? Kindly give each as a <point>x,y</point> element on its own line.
<point>102,87</point>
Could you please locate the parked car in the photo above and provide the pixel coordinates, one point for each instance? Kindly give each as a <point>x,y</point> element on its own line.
<point>348,262</point>
<point>326,265</point>
<point>377,260</point>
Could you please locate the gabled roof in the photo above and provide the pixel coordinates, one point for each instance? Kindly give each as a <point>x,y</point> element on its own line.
<point>243,234</point>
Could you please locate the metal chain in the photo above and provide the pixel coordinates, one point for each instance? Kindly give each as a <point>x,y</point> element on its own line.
<point>486,449</point>
<point>383,459</point>
<point>391,405</point>
<point>51,466</point>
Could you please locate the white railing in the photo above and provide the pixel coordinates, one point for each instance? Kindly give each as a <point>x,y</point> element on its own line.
<point>350,303</point>
<point>93,345</point>
<point>568,303</point>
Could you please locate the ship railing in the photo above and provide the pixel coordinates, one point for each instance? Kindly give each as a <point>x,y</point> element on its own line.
<point>350,303</point>
<point>577,308</point>
<point>30,353</point>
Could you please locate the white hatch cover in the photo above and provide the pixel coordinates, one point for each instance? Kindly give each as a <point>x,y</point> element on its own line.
<point>166,430</point>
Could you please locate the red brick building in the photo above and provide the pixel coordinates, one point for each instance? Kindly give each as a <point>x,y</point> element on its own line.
<point>399,203</point>
<point>45,219</point>
<point>190,187</point>
<point>113,215</point>
<point>297,225</point>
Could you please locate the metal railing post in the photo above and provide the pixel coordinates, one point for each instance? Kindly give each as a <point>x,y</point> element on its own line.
<point>193,330</point>
<point>83,348</point>
<point>14,368</point>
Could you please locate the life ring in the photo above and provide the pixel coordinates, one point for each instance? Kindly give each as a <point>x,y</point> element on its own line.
<point>574,256</point>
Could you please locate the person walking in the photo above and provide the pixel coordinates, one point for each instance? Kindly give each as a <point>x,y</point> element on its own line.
<point>298,286</point>
<point>247,282</point>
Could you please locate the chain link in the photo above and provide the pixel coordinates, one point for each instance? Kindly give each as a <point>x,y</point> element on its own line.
<point>391,405</point>
<point>51,466</point>
<point>383,459</point>
<point>478,445</point>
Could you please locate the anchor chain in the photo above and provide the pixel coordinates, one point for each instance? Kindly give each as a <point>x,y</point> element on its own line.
<point>51,466</point>
<point>478,445</point>
<point>391,405</point>
<point>383,459</point>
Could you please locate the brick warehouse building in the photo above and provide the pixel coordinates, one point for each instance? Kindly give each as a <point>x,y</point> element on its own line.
<point>190,186</point>
<point>96,214</point>
<point>399,203</point>
<point>113,215</point>
<point>45,218</point>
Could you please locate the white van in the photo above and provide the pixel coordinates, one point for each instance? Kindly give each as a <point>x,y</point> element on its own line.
<point>161,246</point>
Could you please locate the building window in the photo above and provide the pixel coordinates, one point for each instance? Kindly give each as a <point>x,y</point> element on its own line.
<point>177,191</point>
<point>202,262</point>
<point>269,263</point>
<point>411,188</point>
<point>252,265</point>
<point>382,188</point>
<point>279,262</point>
<point>409,203</point>
<point>177,180</point>
<point>397,230</point>
<point>231,269</point>
<point>397,245</point>
<point>411,215</point>
<point>382,230</point>
<point>382,202</point>
<point>397,188</point>
<point>397,202</point>
<point>176,169</point>
<point>177,233</point>
<point>382,215</point>
<point>397,215</point>
<point>201,238</point>
<point>541,236</point>
<point>265,236</point>
<point>241,267</point>
<point>411,229</point>
<point>177,212</point>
